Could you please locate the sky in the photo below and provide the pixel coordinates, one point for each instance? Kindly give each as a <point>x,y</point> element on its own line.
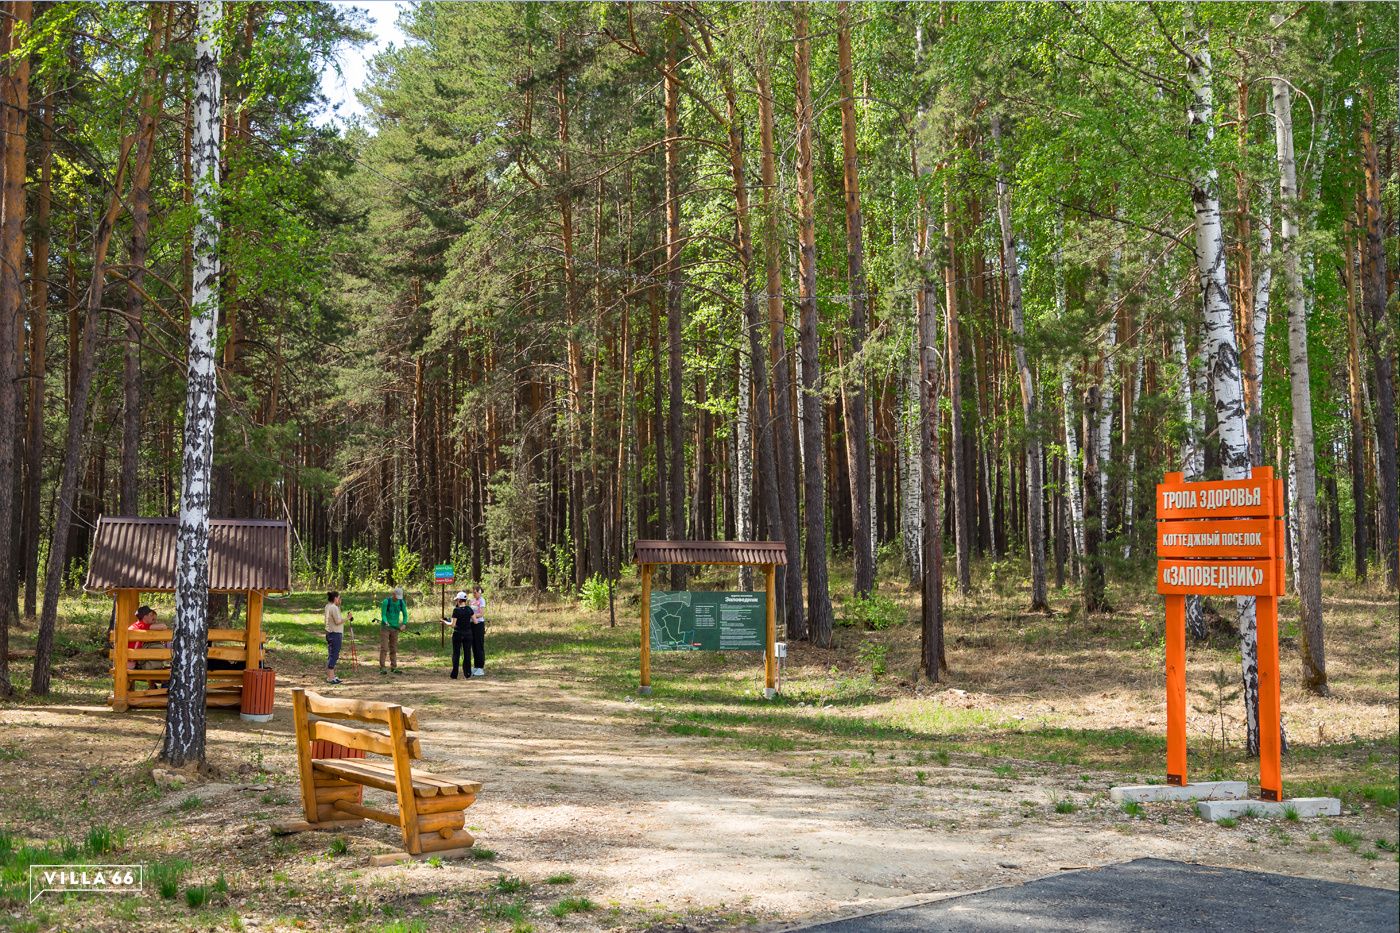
<point>354,63</point>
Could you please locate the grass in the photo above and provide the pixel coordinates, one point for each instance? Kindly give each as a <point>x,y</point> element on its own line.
<point>166,876</point>
<point>196,896</point>
<point>1229,822</point>
<point>508,885</point>
<point>340,847</point>
<point>571,905</point>
<point>569,879</point>
<point>483,855</point>
<point>1132,808</point>
<point>1345,837</point>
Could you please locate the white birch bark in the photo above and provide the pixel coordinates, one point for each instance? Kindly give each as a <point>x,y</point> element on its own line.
<point>1072,465</point>
<point>1108,385</point>
<point>1307,554</point>
<point>743,456</point>
<point>1131,481</point>
<point>185,714</point>
<point>1221,348</point>
<point>910,489</point>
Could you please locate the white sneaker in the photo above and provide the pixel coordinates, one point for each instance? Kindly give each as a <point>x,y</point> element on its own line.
<point>478,672</point>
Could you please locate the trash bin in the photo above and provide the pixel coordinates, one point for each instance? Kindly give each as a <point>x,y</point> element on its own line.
<point>257,695</point>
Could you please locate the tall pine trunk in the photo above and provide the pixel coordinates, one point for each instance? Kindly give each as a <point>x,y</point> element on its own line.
<point>12,197</point>
<point>962,542</point>
<point>1356,420</point>
<point>785,455</point>
<point>38,360</point>
<point>674,282</point>
<point>857,438</point>
<point>185,713</point>
<point>1095,598</point>
<point>1311,648</point>
<point>813,411</point>
<point>1035,493</point>
<point>1375,296</point>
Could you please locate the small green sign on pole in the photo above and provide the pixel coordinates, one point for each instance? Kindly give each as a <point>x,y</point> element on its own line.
<point>444,575</point>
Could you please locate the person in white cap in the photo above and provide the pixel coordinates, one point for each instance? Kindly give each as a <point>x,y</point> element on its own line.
<point>478,604</point>
<point>461,623</point>
<point>393,616</point>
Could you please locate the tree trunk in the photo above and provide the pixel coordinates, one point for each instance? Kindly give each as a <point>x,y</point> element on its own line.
<point>13,121</point>
<point>130,503</point>
<point>1358,433</point>
<point>962,542</point>
<point>784,455</point>
<point>185,713</point>
<point>818,599</point>
<point>857,439</point>
<point>1036,488</point>
<point>1072,464</point>
<point>1311,647</point>
<point>673,303</point>
<point>1221,348</point>
<point>1095,599</point>
<point>38,359</point>
<point>1378,339</point>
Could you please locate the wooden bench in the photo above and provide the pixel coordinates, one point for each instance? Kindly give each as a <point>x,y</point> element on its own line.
<point>430,806</point>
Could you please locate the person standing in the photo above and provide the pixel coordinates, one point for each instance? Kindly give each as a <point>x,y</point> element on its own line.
<point>393,616</point>
<point>335,632</point>
<point>461,623</point>
<point>478,627</point>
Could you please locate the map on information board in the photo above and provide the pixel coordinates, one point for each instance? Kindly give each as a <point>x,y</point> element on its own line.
<point>692,620</point>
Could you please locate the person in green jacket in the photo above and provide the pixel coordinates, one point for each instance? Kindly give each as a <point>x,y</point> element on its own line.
<point>393,616</point>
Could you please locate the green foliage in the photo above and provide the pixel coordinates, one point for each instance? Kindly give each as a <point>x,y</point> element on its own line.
<point>873,613</point>
<point>571,905</point>
<point>872,654</point>
<point>594,595</point>
<point>563,878</point>
<point>166,875</point>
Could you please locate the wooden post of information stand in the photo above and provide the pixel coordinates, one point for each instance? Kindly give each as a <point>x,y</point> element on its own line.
<point>646,630</point>
<point>1222,538</point>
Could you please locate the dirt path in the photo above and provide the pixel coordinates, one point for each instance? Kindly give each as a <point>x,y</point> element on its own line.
<point>677,825</point>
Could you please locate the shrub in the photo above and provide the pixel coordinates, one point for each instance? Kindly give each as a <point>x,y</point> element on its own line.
<point>873,655</point>
<point>874,613</point>
<point>594,595</point>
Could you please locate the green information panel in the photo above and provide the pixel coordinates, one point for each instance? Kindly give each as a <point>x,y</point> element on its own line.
<point>689,620</point>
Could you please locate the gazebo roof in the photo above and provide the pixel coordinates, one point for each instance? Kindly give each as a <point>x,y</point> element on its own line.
<point>709,552</point>
<point>139,554</point>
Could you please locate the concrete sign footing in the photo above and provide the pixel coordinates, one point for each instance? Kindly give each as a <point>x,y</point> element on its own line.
<point>1202,790</point>
<point>1269,809</point>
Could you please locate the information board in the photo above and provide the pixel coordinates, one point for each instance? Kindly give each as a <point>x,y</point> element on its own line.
<point>444,575</point>
<point>692,620</point>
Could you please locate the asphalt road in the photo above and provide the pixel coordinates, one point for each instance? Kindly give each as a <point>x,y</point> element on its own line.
<point>1148,896</point>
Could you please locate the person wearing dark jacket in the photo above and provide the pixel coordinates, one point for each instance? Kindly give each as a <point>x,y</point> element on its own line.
<point>461,623</point>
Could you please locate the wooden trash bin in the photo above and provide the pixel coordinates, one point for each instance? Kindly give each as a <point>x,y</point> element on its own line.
<point>257,695</point>
<point>323,749</point>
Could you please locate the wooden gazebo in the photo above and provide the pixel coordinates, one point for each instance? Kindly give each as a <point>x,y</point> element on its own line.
<point>132,556</point>
<point>765,554</point>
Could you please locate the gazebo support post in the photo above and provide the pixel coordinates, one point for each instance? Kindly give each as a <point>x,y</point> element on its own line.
<point>770,651</point>
<point>253,630</point>
<point>646,630</point>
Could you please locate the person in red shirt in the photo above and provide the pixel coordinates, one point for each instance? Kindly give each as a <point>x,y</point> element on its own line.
<point>145,621</point>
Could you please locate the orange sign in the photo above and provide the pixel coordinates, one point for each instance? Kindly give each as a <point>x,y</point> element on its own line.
<point>1238,498</point>
<point>1236,577</point>
<point>1238,557</point>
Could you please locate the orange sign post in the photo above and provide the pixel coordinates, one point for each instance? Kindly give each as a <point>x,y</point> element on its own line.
<point>1222,538</point>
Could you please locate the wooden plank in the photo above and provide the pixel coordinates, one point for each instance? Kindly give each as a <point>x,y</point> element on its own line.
<point>164,674</point>
<point>228,634</point>
<point>445,781</point>
<point>429,823</point>
<point>358,710</point>
<point>404,783</point>
<point>145,634</point>
<point>646,626</point>
<point>303,738</point>
<point>323,730</point>
<point>252,636</point>
<point>142,654</point>
<point>1237,577</point>
<point>370,774</point>
<point>445,802</point>
<point>350,807</point>
<point>285,827</point>
<point>341,790</point>
<point>395,858</point>
<point>461,839</point>
<point>1234,539</point>
<point>1238,498</point>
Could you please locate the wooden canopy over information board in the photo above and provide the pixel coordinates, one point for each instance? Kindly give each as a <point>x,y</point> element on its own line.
<point>1222,538</point>
<point>766,554</point>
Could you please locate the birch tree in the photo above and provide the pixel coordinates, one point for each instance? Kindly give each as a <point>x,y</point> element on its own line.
<point>186,714</point>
